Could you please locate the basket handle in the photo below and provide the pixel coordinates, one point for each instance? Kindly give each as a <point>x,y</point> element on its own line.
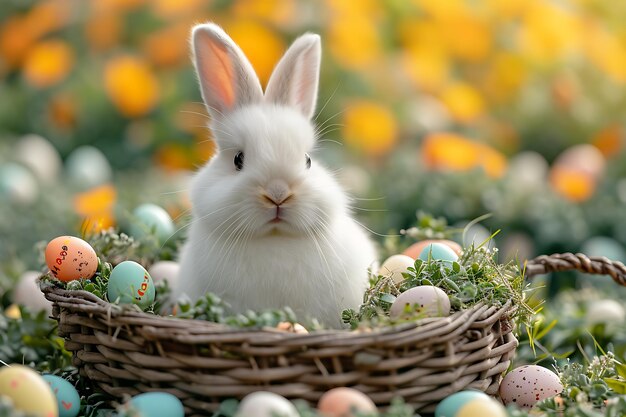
<point>598,265</point>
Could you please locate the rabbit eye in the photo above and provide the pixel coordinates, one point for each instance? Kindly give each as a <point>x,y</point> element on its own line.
<point>308,160</point>
<point>239,161</point>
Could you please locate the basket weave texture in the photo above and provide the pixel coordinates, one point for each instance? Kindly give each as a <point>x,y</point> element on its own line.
<point>124,352</point>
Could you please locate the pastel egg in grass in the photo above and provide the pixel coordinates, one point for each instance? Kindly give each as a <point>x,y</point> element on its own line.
<point>439,252</point>
<point>266,404</point>
<point>150,218</point>
<point>415,249</point>
<point>449,406</point>
<point>344,402</point>
<point>27,293</point>
<point>17,184</point>
<point>482,407</point>
<point>526,385</point>
<point>395,265</point>
<point>71,258</point>
<point>130,283</point>
<point>165,271</point>
<point>39,156</point>
<point>68,400</point>
<point>425,299</point>
<point>157,404</point>
<point>28,391</point>
<point>87,167</point>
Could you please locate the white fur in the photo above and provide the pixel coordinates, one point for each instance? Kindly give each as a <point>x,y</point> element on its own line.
<point>315,260</point>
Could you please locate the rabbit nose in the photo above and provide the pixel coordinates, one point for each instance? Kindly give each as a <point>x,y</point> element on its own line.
<point>277,192</point>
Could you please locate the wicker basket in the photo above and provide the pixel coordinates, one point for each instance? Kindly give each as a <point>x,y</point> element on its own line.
<point>126,352</point>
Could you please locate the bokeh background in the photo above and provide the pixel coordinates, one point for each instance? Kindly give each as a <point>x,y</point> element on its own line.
<point>457,108</point>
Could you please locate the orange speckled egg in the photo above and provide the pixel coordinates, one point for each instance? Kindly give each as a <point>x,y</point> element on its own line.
<point>343,401</point>
<point>71,258</point>
<point>415,249</point>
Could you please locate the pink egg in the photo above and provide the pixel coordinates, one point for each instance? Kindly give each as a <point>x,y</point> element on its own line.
<point>71,258</point>
<point>527,385</point>
<point>427,299</point>
<point>342,401</point>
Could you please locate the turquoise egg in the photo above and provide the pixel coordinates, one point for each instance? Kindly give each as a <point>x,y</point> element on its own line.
<point>158,404</point>
<point>68,399</point>
<point>438,251</point>
<point>131,283</point>
<point>151,219</point>
<point>451,405</point>
<point>87,167</point>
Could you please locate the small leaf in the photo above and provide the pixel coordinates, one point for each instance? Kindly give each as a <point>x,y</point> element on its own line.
<point>616,385</point>
<point>387,298</point>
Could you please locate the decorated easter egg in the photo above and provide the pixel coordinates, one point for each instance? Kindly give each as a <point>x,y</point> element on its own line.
<point>526,385</point>
<point>344,401</point>
<point>17,184</point>
<point>28,294</point>
<point>87,167</point>
<point>165,271</point>
<point>266,404</point>
<point>68,400</point>
<point>415,249</point>
<point>71,258</point>
<point>29,392</point>
<point>39,156</point>
<point>150,218</point>
<point>395,265</point>
<point>482,407</point>
<point>449,406</point>
<point>438,251</point>
<point>131,283</point>
<point>157,404</point>
<point>426,299</point>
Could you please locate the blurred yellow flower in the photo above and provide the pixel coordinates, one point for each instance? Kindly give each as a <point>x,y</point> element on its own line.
<point>548,31</point>
<point>606,51</point>
<point>166,47</point>
<point>62,111</point>
<point>463,101</point>
<point>103,30</point>
<point>354,42</point>
<point>173,157</point>
<point>16,39</point>
<point>609,140</point>
<point>173,9</point>
<point>262,45</point>
<point>369,127</point>
<point>468,36</point>
<point>48,63</point>
<point>505,75</point>
<point>442,8</point>
<point>277,12</point>
<point>131,85</point>
<point>48,16</point>
<point>449,151</point>
<point>96,206</point>
<point>103,6</point>
<point>574,185</point>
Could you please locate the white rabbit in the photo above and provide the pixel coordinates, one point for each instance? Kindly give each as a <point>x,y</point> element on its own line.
<point>270,226</point>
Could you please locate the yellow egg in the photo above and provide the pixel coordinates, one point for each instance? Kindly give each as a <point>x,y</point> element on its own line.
<point>29,392</point>
<point>395,265</point>
<point>482,407</point>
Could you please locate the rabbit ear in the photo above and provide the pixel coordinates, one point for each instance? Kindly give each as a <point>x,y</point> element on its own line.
<point>295,78</point>
<point>227,79</point>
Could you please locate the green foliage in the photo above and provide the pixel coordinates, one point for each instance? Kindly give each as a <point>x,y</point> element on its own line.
<point>476,277</point>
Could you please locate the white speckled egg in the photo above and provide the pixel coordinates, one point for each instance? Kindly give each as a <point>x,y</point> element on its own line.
<point>526,385</point>
<point>342,401</point>
<point>28,294</point>
<point>68,400</point>
<point>39,156</point>
<point>158,404</point>
<point>395,265</point>
<point>266,404</point>
<point>482,407</point>
<point>29,392</point>
<point>427,299</point>
<point>165,271</point>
